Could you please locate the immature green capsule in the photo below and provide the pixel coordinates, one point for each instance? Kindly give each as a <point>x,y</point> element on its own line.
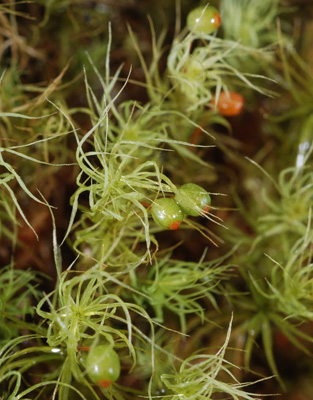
<point>166,213</point>
<point>103,365</point>
<point>204,20</point>
<point>193,199</point>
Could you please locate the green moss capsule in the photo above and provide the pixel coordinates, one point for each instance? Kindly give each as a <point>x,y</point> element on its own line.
<point>204,20</point>
<point>193,199</point>
<point>166,213</point>
<point>103,365</point>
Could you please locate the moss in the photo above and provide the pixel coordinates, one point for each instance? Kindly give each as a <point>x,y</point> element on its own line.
<point>107,107</point>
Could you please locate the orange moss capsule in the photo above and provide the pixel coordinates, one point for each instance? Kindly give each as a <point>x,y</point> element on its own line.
<point>229,104</point>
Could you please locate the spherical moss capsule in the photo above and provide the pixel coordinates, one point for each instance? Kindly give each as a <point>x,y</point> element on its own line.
<point>103,365</point>
<point>203,20</point>
<point>193,199</point>
<point>229,104</point>
<point>166,213</point>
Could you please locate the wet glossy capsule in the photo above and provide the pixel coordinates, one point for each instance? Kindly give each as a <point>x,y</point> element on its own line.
<point>203,20</point>
<point>166,213</point>
<point>229,104</point>
<point>103,365</point>
<point>193,199</point>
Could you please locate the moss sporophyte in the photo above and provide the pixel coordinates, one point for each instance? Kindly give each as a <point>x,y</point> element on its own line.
<point>204,19</point>
<point>229,104</point>
<point>103,365</point>
<point>167,213</point>
<point>156,189</point>
<point>193,199</point>
<point>190,199</point>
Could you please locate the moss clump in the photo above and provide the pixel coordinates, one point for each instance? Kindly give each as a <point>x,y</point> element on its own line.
<point>111,110</point>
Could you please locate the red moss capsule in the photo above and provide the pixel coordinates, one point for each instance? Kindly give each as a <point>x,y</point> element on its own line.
<point>229,104</point>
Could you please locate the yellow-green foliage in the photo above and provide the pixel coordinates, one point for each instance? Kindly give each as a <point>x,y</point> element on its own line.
<point>104,113</point>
